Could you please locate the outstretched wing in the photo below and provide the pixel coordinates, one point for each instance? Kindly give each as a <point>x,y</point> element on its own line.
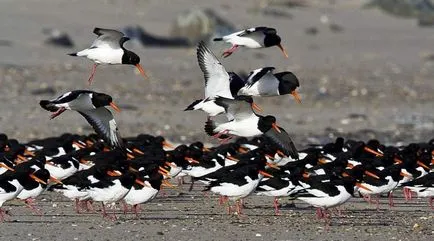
<point>108,38</point>
<point>282,141</point>
<point>257,74</point>
<point>238,108</point>
<point>102,121</point>
<point>216,77</point>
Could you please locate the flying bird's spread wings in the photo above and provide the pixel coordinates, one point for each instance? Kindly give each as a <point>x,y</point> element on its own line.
<point>102,121</point>
<point>108,37</point>
<point>216,77</point>
<point>237,109</point>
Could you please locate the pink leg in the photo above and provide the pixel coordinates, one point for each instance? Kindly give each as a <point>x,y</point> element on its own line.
<point>29,203</point>
<point>125,207</point>
<point>431,202</point>
<point>77,205</point>
<point>391,203</point>
<point>228,52</point>
<point>136,209</point>
<point>92,74</point>
<point>89,206</point>
<point>276,206</point>
<point>378,202</point>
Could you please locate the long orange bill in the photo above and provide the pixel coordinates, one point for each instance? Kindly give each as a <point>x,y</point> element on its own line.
<point>169,164</point>
<point>306,175</point>
<point>432,161</point>
<point>37,179</point>
<point>130,156</point>
<point>140,182</point>
<point>274,125</point>
<point>256,107</point>
<point>322,161</point>
<point>49,163</point>
<point>271,165</point>
<point>283,50</point>
<point>113,173</point>
<point>138,151</point>
<point>405,175</point>
<point>139,67</point>
<point>168,145</point>
<point>191,160</point>
<point>115,107</point>
<point>163,170</point>
<point>280,153</point>
<point>423,165</point>
<point>296,96</point>
<point>367,149</point>
<point>349,165</point>
<point>363,187</point>
<point>397,161</point>
<point>371,174</point>
<point>29,153</point>
<point>265,174</point>
<point>166,183</point>
<point>6,167</point>
<point>232,158</point>
<point>53,179</point>
<point>242,150</point>
<point>344,174</point>
<point>205,149</point>
<point>78,144</point>
<point>164,174</point>
<point>132,169</point>
<point>21,158</point>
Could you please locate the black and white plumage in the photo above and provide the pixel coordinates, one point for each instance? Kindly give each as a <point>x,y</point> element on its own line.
<point>253,38</point>
<point>245,122</point>
<point>262,82</point>
<point>91,105</point>
<point>108,49</point>
<point>216,82</point>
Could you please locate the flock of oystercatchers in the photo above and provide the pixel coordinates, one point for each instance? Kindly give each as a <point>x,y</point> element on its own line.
<point>107,168</point>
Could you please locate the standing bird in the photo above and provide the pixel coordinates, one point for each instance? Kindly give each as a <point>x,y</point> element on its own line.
<point>253,38</point>
<point>91,105</point>
<point>108,48</point>
<point>262,82</point>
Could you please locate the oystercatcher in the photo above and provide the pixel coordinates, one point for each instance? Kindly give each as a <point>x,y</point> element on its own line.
<point>262,82</point>
<point>91,105</point>
<point>246,123</point>
<point>253,38</point>
<point>108,48</point>
<point>33,188</point>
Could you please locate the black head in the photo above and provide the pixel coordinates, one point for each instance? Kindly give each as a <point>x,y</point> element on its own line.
<point>130,58</point>
<point>271,37</point>
<point>100,100</point>
<point>288,82</point>
<point>265,123</point>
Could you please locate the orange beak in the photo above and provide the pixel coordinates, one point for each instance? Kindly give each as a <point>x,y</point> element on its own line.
<point>130,156</point>
<point>169,164</point>
<point>256,107</point>
<point>363,187</point>
<point>205,149</point>
<point>269,157</point>
<point>138,151</point>
<point>283,50</point>
<point>306,175</point>
<point>166,183</point>
<point>232,158</point>
<point>142,72</point>
<point>275,127</point>
<point>349,165</point>
<point>271,165</point>
<point>296,96</point>
<point>371,174</point>
<point>53,179</point>
<point>367,149</point>
<point>37,179</point>
<point>280,153</point>
<point>89,143</point>
<point>322,161</point>
<point>265,174</point>
<point>242,150</point>
<point>423,165</point>
<point>113,174</point>
<point>140,182</point>
<point>168,145</point>
<point>6,167</point>
<point>29,153</point>
<point>21,158</point>
<point>344,174</point>
<point>115,107</point>
<point>191,160</point>
<point>397,161</point>
<point>132,169</point>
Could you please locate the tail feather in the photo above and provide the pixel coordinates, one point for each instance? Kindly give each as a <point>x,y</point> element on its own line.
<point>192,105</point>
<point>209,127</point>
<point>218,39</point>
<point>73,54</point>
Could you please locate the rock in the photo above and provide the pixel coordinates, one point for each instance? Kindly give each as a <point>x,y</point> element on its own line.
<point>200,24</point>
<point>57,38</point>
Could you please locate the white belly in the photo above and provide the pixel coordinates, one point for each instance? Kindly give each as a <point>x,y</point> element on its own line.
<point>138,196</point>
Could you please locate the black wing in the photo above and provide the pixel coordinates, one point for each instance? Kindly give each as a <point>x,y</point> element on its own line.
<point>283,141</point>
<point>238,108</point>
<point>102,121</point>
<point>257,74</point>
